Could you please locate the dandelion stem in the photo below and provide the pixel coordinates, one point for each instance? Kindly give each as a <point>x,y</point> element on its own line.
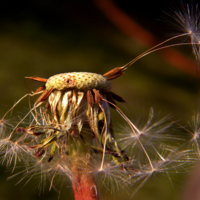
<point>84,184</point>
<point>85,188</point>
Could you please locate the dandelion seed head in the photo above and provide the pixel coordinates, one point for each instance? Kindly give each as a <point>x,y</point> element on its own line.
<point>73,137</point>
<point>78,80</point>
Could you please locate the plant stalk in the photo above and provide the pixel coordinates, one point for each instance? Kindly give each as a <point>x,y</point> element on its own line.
<point>85,187</point>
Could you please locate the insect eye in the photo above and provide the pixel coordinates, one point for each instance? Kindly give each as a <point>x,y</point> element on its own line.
<point>69,81</point>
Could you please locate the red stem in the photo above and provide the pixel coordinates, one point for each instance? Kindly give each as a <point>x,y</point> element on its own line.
<point>85,187</point>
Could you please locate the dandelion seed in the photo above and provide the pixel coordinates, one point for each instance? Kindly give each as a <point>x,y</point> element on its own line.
<point>193,137</point>
<point>12,152</point>
<point>187,20</point>
<point>111,175</point>
<point>5,126</point>
<point>154,131</point>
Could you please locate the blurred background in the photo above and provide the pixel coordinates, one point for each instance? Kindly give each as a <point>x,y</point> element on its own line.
<point>46,37</point>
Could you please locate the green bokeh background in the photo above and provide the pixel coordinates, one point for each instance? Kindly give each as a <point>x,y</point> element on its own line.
<point>43,38</point>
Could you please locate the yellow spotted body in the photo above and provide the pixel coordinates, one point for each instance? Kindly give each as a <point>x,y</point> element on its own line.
<point>78,80</point>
